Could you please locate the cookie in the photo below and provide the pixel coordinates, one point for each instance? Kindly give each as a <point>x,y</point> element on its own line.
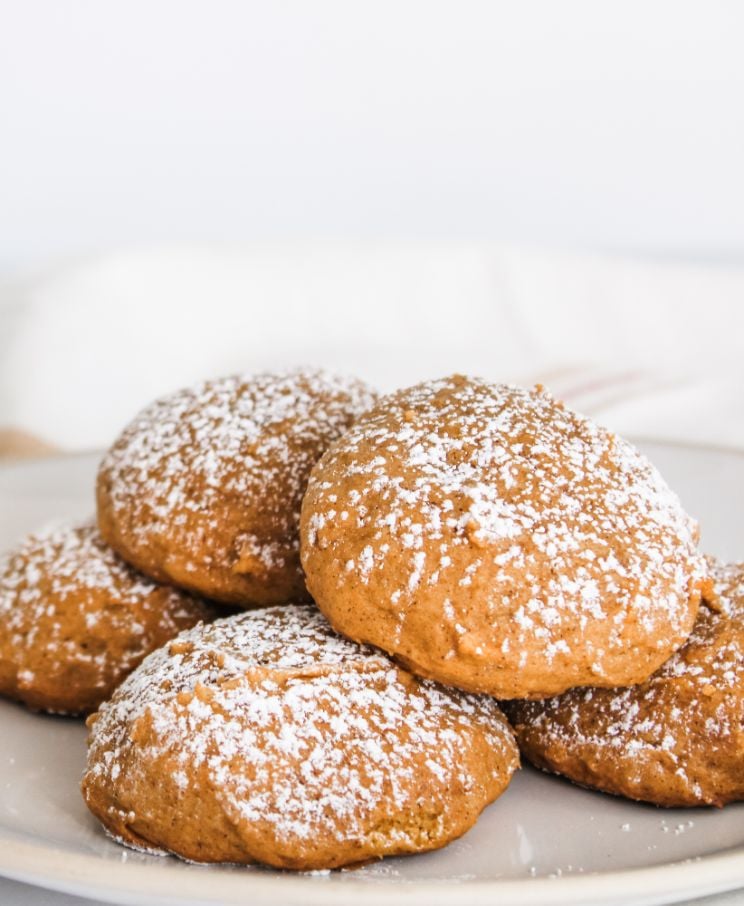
<point>492,539</point>
<point>265,737</point>
<point>675,740</point>
<point>75,619</point>
<point>203,489</point>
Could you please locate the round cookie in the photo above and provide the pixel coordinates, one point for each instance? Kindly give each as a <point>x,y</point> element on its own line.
<point>75,619</point>
<point>675,740</point>
<point>265,737</point>
<point>203,489</point>
<point>494,540</point>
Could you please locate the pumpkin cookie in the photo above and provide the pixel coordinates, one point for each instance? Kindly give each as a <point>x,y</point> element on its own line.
<point>677,739</point>
<point>75,619</point>
<point>265,737</point>
<point>494,540</point>
<point>203,489</point>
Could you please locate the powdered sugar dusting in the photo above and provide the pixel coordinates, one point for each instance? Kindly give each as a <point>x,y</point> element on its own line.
<point>567,526</point>
<point>241,438</point>
<point>71,558</point>
<point>299,729</point>
<point>67,600</point>
<point>727,594</point>
<point>693,705</point>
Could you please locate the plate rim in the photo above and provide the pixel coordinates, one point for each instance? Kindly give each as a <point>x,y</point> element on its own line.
<point>87,875</point>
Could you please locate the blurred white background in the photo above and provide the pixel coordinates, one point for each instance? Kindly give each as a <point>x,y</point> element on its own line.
<point>613,126</point>
<point>518,189</point>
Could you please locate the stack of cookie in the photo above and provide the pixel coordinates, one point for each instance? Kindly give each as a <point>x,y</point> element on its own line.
<point>389,572</point>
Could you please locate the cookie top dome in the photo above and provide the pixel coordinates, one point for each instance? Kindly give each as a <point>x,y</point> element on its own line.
<point>75,619</point>
<point>316,751</point>
<point>203,488</point>
<point>493,539</point>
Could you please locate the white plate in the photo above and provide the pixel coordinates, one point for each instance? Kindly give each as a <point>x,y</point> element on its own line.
<point>543,842</point>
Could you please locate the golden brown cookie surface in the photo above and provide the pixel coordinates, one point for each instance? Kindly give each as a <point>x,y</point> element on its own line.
<point>492,539</point>
<point>675,740</point>
<point>203,489</point>
<point>267,737</point>
<point>75,619</point>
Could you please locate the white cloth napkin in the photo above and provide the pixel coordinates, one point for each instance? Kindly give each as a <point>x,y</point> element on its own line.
<point>649,349</point>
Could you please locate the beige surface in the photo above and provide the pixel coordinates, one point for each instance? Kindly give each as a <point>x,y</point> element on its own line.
<point>17,444</point>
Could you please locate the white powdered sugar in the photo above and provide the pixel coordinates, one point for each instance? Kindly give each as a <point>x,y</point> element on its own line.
<point>691,706</point>
<point>728,587</point>
<point>298,729</point>
<point>66,600</point>
<point>565,525</point>
<point>242,441</point>
<point>60,559</point>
